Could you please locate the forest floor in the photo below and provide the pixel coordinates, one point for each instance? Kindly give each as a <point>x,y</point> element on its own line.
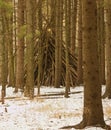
<point>51,111</point>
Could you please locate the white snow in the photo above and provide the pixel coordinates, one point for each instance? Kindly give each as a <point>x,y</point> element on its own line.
<point>45,112</point>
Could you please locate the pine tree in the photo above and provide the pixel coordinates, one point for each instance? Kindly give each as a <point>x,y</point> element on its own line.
<point>92,86</point>
<point>68,42</point>
<point>30,9</point>
<point>101,39</point>
<point>79,41</point>
<point>93,110</point>
<point>11,81</point>
<point>108,48</point>
<point>58,44</point>
<point>40,47</point>
<point>73,26</point>
<point>20,48</point>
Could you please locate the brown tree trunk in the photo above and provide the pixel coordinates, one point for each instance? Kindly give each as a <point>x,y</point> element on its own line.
<point>14,36</point>
<point>11,79</point>
<point>20,48</point>
<point>79,43</point>
<point>68,41</point>
<point>4,50</point>
<point>101,39</point>
<point>11,59</point>
<point>93,110</point>
<point>30,9</point>
<point>108,49</point>
<point>73,26</point>
<point>53,16</point>
<point>40,47</point>
<point>58,44</point>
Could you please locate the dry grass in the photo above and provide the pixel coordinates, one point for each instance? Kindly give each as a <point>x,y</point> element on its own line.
<point>40,99</point>
<point>55,112</point>
<point>59,115</point>
<point>43,108</point>
<point>108,111</point>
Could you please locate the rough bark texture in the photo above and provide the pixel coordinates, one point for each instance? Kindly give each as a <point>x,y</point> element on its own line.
<point>58,45</point>
<point>11,81</point>
<point>101,39</point>
<point>73,26</point>
<point>4,50</point>
<point>20,47</point>
<point>3,59</point>
<point>40,48</point>
<point>67,40</point>
<point>93,110</point>
<point>79,41</point>
<point>29,90</point>
<point>108,49</point>
<point>92,87</point>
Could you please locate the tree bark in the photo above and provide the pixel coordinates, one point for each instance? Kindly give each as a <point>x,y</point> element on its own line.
<point>40,48</point>
<point>20,48</point>
<point>79,43</point>
<point>68,41</point>
<point>93,110</point>
<point>4,50</point>
<point>58,44</point>
<point>73,26</point>
<point>30,9</point>
<point>101,39</point>
<point>108,49</point>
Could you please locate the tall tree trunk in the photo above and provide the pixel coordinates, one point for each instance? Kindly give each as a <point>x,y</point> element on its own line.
<point>93,110</point>
<point>101,39</point>
<point>53,29</point>
<point>4,51</point>
<point>53,16</point>
<point>73,26</point>
<point>30,9</point>
<point>14,36</point>
<point>11,79</point>
<point>108,49</point>
<point>79,40</point>
<point>40,47</point>
<point>58,44</point>
<point>20,48</point>
<point>68,40</point>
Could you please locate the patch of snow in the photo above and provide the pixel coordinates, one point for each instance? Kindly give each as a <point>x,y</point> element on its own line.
<point>45,113</point>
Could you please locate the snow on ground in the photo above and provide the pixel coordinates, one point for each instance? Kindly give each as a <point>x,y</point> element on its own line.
<point>45,112</point>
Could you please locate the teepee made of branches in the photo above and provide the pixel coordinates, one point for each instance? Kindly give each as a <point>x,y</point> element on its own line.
<point>47,40</point>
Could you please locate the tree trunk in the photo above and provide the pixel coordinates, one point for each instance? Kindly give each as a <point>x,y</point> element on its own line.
<point>73,26</point>
<point>79,43</point>
<point>11,80</point>
<point>14,37</point>
<point>40,48</point>
<point>67,40</point>
<point>101,39</point>
<point>20,48</point>
<point>4,51</point>
<point>93,110</point>
<point>30,9</point>
<point>53,16</point>
<point>58,44</point>
<point>108,49</point>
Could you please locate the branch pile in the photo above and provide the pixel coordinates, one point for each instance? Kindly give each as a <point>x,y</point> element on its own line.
<point>47,41</point>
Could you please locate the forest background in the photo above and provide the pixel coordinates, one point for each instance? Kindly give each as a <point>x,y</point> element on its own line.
<point>57,43</point>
